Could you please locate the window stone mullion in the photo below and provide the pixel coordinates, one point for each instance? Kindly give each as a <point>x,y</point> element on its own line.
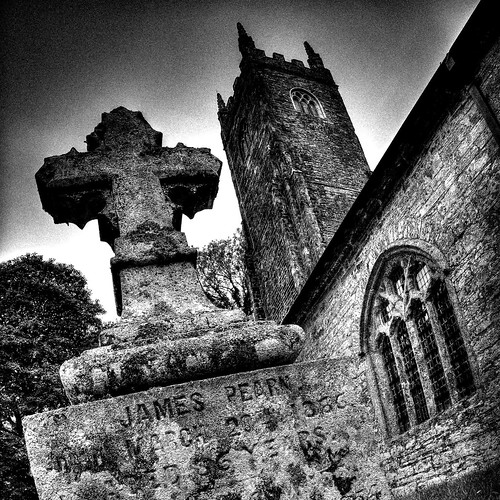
<point>422,366</point>
<point>386,404</point>
<point>405,384</point>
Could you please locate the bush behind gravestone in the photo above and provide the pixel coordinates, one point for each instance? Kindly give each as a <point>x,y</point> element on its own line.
<point>46,316</point>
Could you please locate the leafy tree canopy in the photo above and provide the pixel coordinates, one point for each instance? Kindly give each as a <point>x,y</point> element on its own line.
<point>46,317</point>
<point>223,275</point>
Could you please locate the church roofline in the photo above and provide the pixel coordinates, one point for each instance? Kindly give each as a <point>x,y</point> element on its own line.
<point>458,69</point>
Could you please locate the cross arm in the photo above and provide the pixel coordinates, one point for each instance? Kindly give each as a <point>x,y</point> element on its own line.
<point>189,177</point>
<point>76,187</point>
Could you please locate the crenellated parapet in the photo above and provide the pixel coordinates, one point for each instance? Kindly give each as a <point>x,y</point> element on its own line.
<point>254,59</point>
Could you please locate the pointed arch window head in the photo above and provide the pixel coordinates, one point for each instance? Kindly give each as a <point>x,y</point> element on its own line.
<point>412,337</point>
<point>305,102</point>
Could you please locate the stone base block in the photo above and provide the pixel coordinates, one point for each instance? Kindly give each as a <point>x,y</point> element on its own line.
<point>301,431</point>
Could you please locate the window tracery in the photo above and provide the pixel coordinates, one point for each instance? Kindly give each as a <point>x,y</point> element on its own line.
<point>305,102</point>
<point>415,336</point>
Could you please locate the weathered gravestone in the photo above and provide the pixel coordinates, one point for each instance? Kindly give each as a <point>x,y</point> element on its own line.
<point>153,422</point>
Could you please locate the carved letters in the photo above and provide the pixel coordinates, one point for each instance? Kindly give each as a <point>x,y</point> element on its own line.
<point>167,408</point>
<point>247,391</point>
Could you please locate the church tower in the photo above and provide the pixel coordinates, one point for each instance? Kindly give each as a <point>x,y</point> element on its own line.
<point>296,164</point>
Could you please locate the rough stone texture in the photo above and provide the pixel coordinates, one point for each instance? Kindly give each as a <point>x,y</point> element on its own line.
<point>300,431</point>
<point>173,289</point>
<point>137,190</point>
<point>305,430</point>
<point>445,203</point>
<point>124,368</point>
<point>296,175</point>
<point>168,326</point>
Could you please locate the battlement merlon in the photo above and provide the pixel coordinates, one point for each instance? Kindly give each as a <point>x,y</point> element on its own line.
<point>278,62</point>
<point>254,59</point>
<point>249,53</point>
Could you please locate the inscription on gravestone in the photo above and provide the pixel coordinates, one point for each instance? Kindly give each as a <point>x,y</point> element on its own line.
<point>291,432</point>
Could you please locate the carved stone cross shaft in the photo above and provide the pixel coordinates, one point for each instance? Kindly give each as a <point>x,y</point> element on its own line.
<point>137,190</point>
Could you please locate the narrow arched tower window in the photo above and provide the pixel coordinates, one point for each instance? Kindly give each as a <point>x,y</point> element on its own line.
<point>305,102</point>
<point>418,355</point>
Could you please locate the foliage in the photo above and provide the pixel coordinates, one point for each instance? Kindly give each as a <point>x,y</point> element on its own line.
<point>223,275</point>
<point>46,317</point>
<point>483,485</point>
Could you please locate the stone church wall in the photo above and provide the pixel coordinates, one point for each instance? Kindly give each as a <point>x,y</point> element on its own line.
<point>449,206</point>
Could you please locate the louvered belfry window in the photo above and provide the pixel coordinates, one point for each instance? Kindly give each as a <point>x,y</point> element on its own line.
<point>305,102</point>
<point>415,331</point>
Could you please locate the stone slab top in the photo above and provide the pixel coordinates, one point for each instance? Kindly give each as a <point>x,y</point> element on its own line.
<point>113,370</point>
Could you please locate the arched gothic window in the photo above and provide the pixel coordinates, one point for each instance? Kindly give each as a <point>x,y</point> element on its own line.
<point>413,339</point>
<point>305,102</point>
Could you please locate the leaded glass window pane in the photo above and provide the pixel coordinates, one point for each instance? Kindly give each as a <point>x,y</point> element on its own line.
<point>453,340</point>
<point>431,355</point>
<point>423,278</point>
<point>400,287</point>
<point>400,331</point>
<point>401,411</point>
<point>383,311</point>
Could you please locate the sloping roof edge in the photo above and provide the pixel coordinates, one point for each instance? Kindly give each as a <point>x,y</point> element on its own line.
<point>458,68</point>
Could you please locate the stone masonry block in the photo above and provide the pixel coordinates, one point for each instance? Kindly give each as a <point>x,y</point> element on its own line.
<point>299,431</point>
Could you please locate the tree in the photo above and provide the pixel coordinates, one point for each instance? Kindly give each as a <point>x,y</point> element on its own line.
<point>46,317</point>
<point>223,275</point>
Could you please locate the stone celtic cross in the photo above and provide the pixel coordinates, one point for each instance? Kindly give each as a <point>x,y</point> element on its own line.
<point>169,331</point>
<point>138,191</point>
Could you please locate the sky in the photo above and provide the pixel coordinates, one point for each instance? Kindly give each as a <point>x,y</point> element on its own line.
<point>63,63</point>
